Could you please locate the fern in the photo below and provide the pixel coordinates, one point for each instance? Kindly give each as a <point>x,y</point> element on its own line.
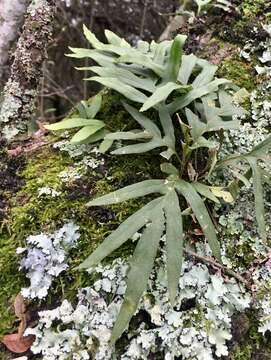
<point>161,78</point>
<point>91,129</point>
<point>260,154</point>
<point>163,213</point>
<point>150,73</point>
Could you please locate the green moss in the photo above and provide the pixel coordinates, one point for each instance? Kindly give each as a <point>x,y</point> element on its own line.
<point>252,12</point>
<point>251,345</point>
<point>240,73</point>
<point>240,254</point>
<point>11,282</point>
<point>251,8</point>
<point>241,352</point>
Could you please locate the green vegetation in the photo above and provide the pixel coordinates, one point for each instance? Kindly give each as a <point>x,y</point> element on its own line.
<point>252,7</point>
<point>241,73</point>
<point>30,214</point>
<point>159,77</point>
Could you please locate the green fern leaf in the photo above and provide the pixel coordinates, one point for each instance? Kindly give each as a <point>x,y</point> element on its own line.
<point>141,265</point>
<point>201,213</point>
<point>174,242</point>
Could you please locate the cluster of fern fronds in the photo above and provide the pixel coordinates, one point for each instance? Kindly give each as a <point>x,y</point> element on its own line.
<point>179,107</point>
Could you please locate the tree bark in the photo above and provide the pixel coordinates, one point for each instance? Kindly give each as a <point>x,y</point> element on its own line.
<point>11,18</point>
<point>20,93</point>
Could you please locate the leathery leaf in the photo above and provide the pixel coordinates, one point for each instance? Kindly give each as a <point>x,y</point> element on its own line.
<point>174,242</point>
<point>118,237</point>
<point>201,213</point>
<point>174,62</point>
<point>130,192</point>
<point>141,265</point>
<point>74,123</point>
<point>258,195</point>
<point>84,133</point>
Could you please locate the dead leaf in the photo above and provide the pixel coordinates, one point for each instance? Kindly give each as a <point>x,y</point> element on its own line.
<point>22,326</point>
<point>197,232</point>
<point>220,192</point>
<point>18,344</point>
<point>19,306</point>
<point>191,172</point>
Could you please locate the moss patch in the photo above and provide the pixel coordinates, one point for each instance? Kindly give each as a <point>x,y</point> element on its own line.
<point>248,342</point>
<point>10,281</point>
<point>250,8</point>
<point>241,73</point>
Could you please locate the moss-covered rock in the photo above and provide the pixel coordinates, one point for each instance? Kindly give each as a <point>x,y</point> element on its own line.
<point>31,214</point>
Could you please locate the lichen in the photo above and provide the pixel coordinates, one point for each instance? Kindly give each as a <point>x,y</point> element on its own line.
<point>189,331</point>
<point>44,258</point>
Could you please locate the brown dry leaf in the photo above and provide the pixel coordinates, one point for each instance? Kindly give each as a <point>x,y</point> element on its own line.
<point>197,232</point>
<point>22,326</point>
<point>19,306</point>
<point>41,125</point>
<point>18,344</point>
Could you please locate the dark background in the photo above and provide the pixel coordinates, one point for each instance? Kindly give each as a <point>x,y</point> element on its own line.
<point>62,86</point>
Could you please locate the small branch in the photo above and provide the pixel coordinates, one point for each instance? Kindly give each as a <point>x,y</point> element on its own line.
<point>212,262</point>
<point>143,19</point>
<point>176,22</point>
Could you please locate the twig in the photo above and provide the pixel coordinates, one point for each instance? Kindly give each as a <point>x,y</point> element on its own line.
<point>143,19</point>
<point>212,262</point>
<point>91,22</point>
<point>176,22</point>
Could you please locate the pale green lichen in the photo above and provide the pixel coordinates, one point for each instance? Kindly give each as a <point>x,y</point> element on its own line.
<point>190,333</point>
<point>12,102</point>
